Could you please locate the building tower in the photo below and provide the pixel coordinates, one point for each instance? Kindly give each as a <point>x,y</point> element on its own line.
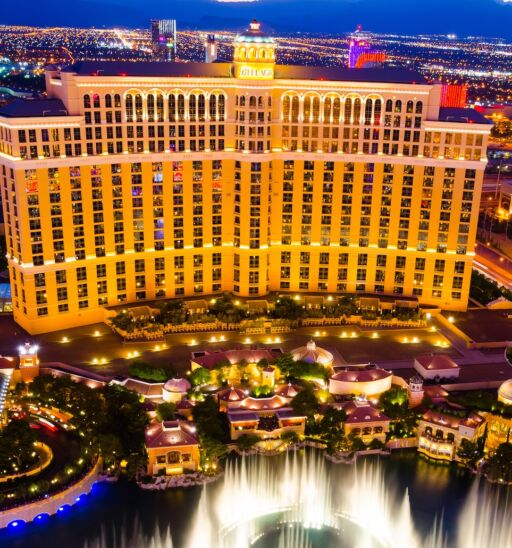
<point>163,39</point>
<point>357,46</point>
<point>29,362</point>
<point>210,49</point>
<point>254,54</point>
<point>415,391</point>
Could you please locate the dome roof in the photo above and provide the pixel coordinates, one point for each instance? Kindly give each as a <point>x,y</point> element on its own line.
<point>416,379</point>
<point>177,385</point>
<point>362,374</point>
<point>312,353</point>
<point>232,394</point>
<point>288,390</point>
<point>505,392</point>
<point>254,34</point>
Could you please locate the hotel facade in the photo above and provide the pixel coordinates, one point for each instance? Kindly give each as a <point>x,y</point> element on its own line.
<point>144,181</point>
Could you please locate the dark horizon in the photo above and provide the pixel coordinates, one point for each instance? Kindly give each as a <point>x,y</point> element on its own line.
<point>489,18</point>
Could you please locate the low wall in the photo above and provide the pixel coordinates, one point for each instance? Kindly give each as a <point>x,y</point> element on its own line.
<point>51,505</point>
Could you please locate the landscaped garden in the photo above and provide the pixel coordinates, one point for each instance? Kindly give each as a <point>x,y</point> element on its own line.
<point>283,313</point>
<point>109,421</point>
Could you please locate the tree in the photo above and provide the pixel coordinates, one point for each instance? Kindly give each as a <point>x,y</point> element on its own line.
<point>356,443</point>
<point>147,372</point>
<point>500,464</point>
<point>208,420</point>
<point>395,403</point>
<point>200,376</point>
<point>470,452</point>
<point>289,437</point>
<point>226,311</point>
<point>247,441</point>
<point>287,309</point>
<point>111,448</point>
<point>166,411</point>
<point>376,444</point>
<point>305,403</point>
<point>333,418</point>
<point>261,391</point>
<point>17,446</point>
<point>171,312</point>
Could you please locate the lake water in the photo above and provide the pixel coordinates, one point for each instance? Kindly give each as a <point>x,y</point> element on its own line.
<point>122,515</point>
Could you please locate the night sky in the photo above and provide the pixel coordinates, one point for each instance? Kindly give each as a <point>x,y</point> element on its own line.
<point>463,17</point>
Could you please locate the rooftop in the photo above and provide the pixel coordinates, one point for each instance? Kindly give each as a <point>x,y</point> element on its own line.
<point>361,373</point>
<point>436,362</point>
<point>33,108</point>
<point>210,360</point>
<point>170,434</point>
<point>360,411</point>
<point>464,115</point>
<point>392,75</point>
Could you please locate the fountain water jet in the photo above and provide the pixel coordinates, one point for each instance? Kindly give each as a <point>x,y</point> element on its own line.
<point>298,500</point>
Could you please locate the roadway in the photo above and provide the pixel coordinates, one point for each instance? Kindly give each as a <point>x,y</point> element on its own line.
<point>494,265</point>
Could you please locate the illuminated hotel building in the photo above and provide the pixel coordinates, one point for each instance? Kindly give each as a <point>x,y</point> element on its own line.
<point>143,181</point>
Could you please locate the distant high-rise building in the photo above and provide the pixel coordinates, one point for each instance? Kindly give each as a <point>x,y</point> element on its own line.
<point>210,49</point>
<point>358,44</point>
<point>163,39</point>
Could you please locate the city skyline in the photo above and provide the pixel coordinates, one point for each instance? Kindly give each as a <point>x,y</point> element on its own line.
<point>464,18</point>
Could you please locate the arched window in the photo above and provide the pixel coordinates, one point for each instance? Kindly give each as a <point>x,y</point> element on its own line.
<point>377,112</point>
<point>389,105</point>
<point>419,107</point>
<point>87,101</point>
<point>316,110</point>
<point>201,107</point>
<point>307,109</point>
<point>357,111</point>
<point>129,108</point>
<point>213,107</point>
<point>117,101</point>
<point>96,100</point>
<point>181,107</point>
<point>260,102</point>
<point>151,107</point>
<point>108,100</point>
<point>160,107</point>
<point>336,110</point>
<point>327,110</point>
<point>138,108</point>
<point>348,110</point>
<point>269,102</point>
<point>263,54</point>
<point>172,108</point>
<point>222,108</point>
<point>242,101</point>
<point>295,110</point>
<point>192,108</point>
<point>286,109</point>
<point>410,107</point>
<point>368,107</point>
<point>398,106</point>
<point>252,101</point>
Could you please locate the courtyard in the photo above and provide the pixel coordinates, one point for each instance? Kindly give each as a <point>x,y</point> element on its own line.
<point>96,348</point>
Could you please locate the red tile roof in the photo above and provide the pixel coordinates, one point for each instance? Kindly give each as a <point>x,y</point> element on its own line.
<point>170,434</point>
<point>436,362</point>
<point>210,360</point>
